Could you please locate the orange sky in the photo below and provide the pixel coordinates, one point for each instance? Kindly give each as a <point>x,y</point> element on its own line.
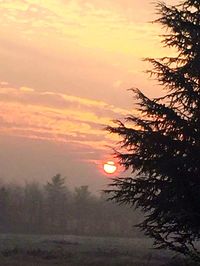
<point>65,70</point>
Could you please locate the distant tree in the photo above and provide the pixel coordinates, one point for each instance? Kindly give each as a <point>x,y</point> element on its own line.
<point>4,209</point>
<point>82,194</point>
<point>56,186</point>
<point>82,203</point>
<point>162,145</point>
<point>16,207</point>
<point>57,203</point>
<point>33,207</point>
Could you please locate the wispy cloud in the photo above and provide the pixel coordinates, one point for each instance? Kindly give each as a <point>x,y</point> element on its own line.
<point>56,117</point>
<point>85,23</point>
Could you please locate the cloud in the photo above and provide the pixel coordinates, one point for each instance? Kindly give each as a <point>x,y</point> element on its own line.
<point>102,25</point>
<point>56,117</point>
<point>88,45</point>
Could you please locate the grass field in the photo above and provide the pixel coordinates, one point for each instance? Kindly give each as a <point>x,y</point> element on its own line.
<point>29,250</point>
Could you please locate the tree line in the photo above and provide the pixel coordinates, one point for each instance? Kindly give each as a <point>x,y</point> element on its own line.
<point>54,209</point>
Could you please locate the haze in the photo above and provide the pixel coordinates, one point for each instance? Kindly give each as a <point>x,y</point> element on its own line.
<point>65,70</point>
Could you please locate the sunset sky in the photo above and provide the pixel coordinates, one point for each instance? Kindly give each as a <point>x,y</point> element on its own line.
<point>65,70</point>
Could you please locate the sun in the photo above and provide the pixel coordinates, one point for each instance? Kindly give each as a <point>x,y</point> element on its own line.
<point>110,167</point>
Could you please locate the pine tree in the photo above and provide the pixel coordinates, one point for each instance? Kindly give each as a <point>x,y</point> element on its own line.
<point>162,145</point>
<point>56,201</point>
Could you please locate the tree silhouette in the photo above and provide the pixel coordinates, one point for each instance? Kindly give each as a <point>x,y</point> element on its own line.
<point>56,186</point>
<point>162,145</point>
<point>57,202</point>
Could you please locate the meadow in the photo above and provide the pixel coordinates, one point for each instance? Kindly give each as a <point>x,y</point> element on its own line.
<point>32,250</point>
<point>45,223</point>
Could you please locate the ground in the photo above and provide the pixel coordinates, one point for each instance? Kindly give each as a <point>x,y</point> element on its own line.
<point>32,250</point>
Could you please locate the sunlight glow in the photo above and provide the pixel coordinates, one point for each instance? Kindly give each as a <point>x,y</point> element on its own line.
<point>110,167</point>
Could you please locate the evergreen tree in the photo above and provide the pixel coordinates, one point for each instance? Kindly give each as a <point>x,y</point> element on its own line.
<point>56,186</point>
<point>57,203</point>
<point>162,145</point>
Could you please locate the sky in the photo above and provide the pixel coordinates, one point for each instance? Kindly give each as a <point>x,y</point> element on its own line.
<point>65,70</point>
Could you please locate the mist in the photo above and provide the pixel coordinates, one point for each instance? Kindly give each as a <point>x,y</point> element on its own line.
<point>53,208</point>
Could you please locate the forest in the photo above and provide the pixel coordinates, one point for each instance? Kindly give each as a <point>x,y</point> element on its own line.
<point>53,208</point>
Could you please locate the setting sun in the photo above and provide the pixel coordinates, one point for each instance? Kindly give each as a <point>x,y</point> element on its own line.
<point>110,167</point>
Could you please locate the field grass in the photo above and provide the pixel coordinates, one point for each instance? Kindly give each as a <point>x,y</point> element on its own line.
<point>31,250</point>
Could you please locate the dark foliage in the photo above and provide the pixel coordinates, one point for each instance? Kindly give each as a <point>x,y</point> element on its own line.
<point>162,146</point>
